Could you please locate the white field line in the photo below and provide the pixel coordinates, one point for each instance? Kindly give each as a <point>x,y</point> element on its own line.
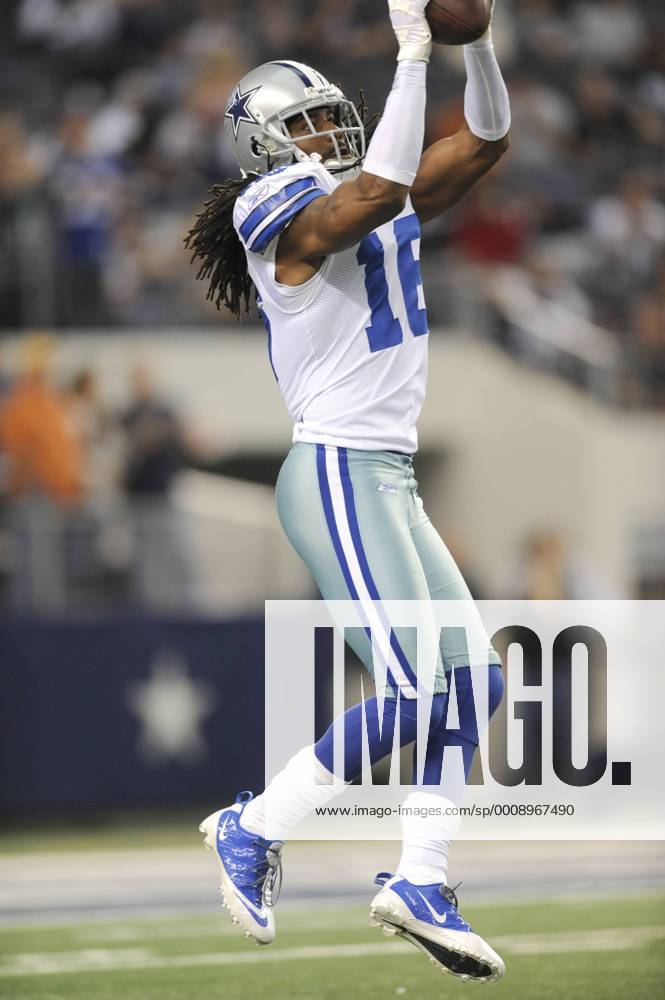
<point>608,939</point>
<point>292,919</point>
<point>107,960</point>
<point>215,926</point>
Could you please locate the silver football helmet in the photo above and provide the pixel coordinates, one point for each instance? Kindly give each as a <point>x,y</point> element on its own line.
<point>263,102</point>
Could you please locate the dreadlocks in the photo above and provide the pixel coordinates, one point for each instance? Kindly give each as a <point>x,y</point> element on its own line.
<point>215,242</point>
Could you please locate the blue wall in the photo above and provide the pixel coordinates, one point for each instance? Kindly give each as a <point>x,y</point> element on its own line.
<point>108,714</point>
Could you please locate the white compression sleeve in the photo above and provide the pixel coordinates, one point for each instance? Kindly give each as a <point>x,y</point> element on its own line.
<point>397,144</point>
<point>486,104</point>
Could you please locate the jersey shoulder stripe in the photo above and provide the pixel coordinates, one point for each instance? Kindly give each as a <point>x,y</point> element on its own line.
<point>268,234</point>
<point>264,210</point>
<point>270,217</point>
<point>271,203</point>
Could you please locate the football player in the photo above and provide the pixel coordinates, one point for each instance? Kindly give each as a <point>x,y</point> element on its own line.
<point>324,224</point>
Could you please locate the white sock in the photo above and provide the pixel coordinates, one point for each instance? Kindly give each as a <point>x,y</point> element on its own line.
<point>426,836</point>
<point>303,785</point>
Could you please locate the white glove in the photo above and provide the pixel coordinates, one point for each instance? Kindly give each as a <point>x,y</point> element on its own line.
<point>413,34</point>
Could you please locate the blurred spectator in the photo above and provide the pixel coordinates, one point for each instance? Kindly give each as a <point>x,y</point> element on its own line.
<point>37,434</point>
<point>541,311</point>
<point>220,27</point>
<point>5,381</point>
<point>27,287</point>
<point>611,32</point>
<point>101,548</point>
<point>627,230</point>
<point>99,435</point>
<point>117,126</point>
<point>648,323</point>
<point>546,571</point>
<point>113,132</point>
<point>629,225</point>
<point>44,482</point>
<point>85,25</point>
<point>157,450</point>
<point>543,119</point>
<point>547,43</point>
<point>345,30</point>
<point>492,228</point>
<point>86,190</point>
<point>546,279</point>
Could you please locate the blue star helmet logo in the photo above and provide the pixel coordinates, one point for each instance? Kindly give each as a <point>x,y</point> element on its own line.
<point>238,111</point>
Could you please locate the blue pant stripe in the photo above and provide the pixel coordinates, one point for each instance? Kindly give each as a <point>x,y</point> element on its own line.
<point>324,488</point>
<point>349,501</point>
<point>330,518</point>
<point>352,516</point>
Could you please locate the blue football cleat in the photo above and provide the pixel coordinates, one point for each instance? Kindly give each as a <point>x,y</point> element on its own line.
<point>251,870</point>
<point>427,916</point>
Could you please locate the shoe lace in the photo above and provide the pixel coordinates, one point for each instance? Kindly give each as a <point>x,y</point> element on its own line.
<point>448,894</point>
<point>269,872</point>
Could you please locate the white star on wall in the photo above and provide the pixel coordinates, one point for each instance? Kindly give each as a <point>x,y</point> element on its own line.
<point>171,707</point>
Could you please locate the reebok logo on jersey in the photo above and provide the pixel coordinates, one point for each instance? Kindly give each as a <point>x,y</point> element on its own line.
<point>386,488</point>
<point>258,195</point>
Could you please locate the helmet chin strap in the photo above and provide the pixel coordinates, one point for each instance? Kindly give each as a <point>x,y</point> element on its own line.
<point>302,157</point>
<point>334,164</point>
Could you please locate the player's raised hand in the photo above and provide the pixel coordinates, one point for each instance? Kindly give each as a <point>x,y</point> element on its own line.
<point>409,24</point>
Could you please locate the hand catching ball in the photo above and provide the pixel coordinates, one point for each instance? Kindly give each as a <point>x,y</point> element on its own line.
<point>458,22</point>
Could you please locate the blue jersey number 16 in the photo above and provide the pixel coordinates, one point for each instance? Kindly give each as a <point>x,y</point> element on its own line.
<point>385,330</point>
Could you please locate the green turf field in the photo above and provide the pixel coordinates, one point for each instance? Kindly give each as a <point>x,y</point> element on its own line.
<point>554,950</point>
<point>125,832</point>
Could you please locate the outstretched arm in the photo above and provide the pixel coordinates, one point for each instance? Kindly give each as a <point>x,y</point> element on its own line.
<point>451,167</point>
<point>379,193</point>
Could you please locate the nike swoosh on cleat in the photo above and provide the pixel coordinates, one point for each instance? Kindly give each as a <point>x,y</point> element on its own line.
<point>436,917</point>
<point>222,835</point>
<point>262,921</point>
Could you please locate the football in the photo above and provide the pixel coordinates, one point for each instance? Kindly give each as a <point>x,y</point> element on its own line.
<point>457,22</point>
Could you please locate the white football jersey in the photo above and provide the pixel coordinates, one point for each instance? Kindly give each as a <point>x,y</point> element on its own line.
<point>348,347</point>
